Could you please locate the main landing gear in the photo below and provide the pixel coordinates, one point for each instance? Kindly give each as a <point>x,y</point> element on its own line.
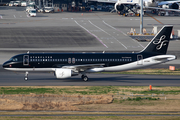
<point>26,76</point>
<point>84,77</point>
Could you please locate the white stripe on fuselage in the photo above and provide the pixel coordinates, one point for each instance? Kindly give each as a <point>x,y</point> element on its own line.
<point>134,65</point>
<point>32,69</point>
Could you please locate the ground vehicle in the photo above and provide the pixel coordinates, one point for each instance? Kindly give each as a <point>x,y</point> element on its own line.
<point>29,7</point>
<point>49,9</point>
<point>92,7</point>
<point>11,3</point>
<point>109,8</point>
<point>32,3</point>
<point>17,3</point>
<point>99,7</point>
<point>41,10</point>
<point>23,3</point>
<point>32,12</point>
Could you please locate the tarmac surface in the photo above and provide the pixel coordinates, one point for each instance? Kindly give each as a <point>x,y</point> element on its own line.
<point>85,32</point>
<point>9,78</point>
<point>46,37</point>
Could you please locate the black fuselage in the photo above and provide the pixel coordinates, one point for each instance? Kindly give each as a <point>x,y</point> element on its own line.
<point>57,60</point>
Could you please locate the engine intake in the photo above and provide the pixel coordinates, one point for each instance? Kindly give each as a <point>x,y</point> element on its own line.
<point>120,7</point>
<point>174,6</point>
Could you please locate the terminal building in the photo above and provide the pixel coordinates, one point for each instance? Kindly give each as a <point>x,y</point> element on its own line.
<point>74,5</point>
<point>69,5</point>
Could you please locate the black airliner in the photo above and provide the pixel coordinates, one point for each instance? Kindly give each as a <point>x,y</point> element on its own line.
<point>66,65</point>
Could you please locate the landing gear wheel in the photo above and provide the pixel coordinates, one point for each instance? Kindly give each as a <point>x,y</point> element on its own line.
<point>82,76</point>
<point>85,78</point>
<point>25,78</point>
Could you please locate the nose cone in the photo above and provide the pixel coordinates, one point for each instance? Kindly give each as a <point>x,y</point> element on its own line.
<point>5,65</point>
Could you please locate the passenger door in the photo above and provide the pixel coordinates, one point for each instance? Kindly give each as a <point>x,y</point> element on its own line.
<point>26,60</point>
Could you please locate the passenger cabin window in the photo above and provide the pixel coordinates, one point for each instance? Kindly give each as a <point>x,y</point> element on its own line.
<point>69,60</point>
<point>73,60</point>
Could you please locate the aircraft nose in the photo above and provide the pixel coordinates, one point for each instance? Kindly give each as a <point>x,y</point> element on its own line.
<point>5,65</point>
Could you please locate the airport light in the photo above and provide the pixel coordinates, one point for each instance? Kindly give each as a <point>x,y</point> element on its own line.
<point>141,19</point>
<point>39,4</point>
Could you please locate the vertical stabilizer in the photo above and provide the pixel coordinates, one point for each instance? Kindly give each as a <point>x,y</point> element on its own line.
<point>160,42</point>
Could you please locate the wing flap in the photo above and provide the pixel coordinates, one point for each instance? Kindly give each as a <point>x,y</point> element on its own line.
<point>157,8</point>
<point>83,67</point>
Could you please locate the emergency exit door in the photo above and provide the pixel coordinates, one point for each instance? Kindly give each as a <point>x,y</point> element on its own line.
<point>139,60</point>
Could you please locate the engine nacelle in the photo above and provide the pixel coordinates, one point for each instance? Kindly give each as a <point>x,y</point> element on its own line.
<point>119,7</point>
<point>174,6</point>
<point>63,73</point>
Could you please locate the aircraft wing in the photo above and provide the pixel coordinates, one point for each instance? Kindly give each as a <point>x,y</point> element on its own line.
<point>165,9</point>
<point>83,67</point>
<point>167,2</point>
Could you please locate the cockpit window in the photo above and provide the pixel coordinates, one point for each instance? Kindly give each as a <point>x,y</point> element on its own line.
<point>13,59</point>
<point>10,59</point>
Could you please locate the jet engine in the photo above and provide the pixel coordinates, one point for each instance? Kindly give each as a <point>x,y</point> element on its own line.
<point>64,73</point>
<point>174,6</point>
<point>171,6</point>
<point>119,7</point>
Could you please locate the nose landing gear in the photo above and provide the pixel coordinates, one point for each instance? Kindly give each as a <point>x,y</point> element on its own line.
<point>26,76</point>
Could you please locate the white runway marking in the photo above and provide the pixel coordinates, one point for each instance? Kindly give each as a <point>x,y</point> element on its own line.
<point>114,28</point>
<point>108,34</point>
<point>123,33</point>
<point>91,33</point>
<point>28,16</point>
<point>138,43</point>
<point>14,16</point>
<point>65,18</point>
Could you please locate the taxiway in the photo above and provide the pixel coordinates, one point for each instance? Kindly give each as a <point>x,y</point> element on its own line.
<point>87,32</point>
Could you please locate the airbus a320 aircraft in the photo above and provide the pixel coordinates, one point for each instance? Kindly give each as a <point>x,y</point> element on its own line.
<point>66,65</point>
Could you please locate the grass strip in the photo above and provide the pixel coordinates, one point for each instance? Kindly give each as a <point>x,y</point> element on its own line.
<point>90,90</point>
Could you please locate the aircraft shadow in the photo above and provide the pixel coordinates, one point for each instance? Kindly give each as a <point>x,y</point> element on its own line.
<point>124,78</point>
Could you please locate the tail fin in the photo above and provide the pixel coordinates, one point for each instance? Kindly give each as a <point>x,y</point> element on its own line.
<point>160,42</point>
